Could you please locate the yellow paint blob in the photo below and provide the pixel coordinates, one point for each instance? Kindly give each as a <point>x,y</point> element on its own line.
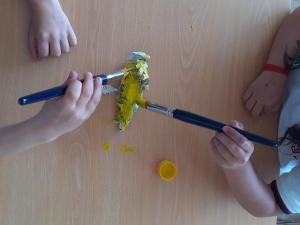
<point>131,90</point>
<point>109,121</point>
<point>141,102</point>
<point>135,80</point>
<point>106,146</point>
<point>124,148</point>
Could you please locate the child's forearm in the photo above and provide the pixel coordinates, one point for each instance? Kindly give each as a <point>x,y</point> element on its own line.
<point>38,4</point>
<point>251,192</point>
<point>22,136</point>
<point>288,34</point>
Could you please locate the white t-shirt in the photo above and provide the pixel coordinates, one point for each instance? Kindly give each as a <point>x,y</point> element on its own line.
<point>286,188</point>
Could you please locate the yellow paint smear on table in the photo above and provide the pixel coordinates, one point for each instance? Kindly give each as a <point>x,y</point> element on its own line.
<point>124,148</point>
<point>106,146</point>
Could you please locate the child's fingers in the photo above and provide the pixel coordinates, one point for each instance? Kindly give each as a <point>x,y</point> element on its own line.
<point>222,148</point>
<point>55,49</point>
<point>236,124</point>
<point>72,38</point>
<point>217,156</point>
<point>32,46</point>
<point>257,109</point>
<point>234,140</point>
<point>64,45</point>
<point>43,49</point>
<point>247,94</point>
<point>73,91</point>
<point>86,91</point>
<point>250,103</point>
<point>72,75</point>
<point>96,97</point>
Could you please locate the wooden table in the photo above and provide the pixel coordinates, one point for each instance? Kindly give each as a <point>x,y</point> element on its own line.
<point>204,54</point>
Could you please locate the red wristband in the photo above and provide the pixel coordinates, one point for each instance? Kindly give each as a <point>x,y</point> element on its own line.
<point>277,69</point>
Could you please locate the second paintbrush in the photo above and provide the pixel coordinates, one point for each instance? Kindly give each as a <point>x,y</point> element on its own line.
<point>198,120</point>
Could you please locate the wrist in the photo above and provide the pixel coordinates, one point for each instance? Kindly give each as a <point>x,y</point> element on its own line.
<point>236,169</point>
<point>277,69</point>
<point>42,130</point>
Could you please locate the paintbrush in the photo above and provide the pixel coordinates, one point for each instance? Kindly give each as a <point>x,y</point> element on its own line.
<point>60,90</point>
<point>198,120</point>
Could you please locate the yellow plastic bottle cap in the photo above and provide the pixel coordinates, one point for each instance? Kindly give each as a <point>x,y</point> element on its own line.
<point>166,170</point>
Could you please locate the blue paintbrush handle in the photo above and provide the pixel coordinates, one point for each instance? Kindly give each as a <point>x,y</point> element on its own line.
<point>51,93</point>
<point>198,120</point>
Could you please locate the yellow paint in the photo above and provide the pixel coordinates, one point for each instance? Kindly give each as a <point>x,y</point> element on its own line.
<point>141,102</point>
<point>132,89</point>
<point>106,146</point>
<point>109,121</point>
<point>124,148</point>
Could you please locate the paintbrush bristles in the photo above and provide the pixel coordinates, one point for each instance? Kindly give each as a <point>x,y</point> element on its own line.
<point>141,102</point>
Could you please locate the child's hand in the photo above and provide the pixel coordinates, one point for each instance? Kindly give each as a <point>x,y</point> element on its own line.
<point>63,114</point>
<point>231,149</point>
<point>50,32</point>
<point>265,94</point>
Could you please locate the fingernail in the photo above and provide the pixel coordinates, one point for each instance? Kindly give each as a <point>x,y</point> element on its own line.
<point>89,74</point>
<point>225,129</point>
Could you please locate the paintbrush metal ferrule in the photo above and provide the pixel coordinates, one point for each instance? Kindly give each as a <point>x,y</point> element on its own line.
<point>167,111</point>
<point>114,76</point>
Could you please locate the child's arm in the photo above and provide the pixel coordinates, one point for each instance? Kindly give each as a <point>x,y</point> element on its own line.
<point>50,32</point>
<point>232,151</point>
<point>57,117</point>
<point>265,94</point>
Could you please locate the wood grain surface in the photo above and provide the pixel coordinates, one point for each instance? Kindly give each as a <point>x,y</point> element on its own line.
<point>204,54</point>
